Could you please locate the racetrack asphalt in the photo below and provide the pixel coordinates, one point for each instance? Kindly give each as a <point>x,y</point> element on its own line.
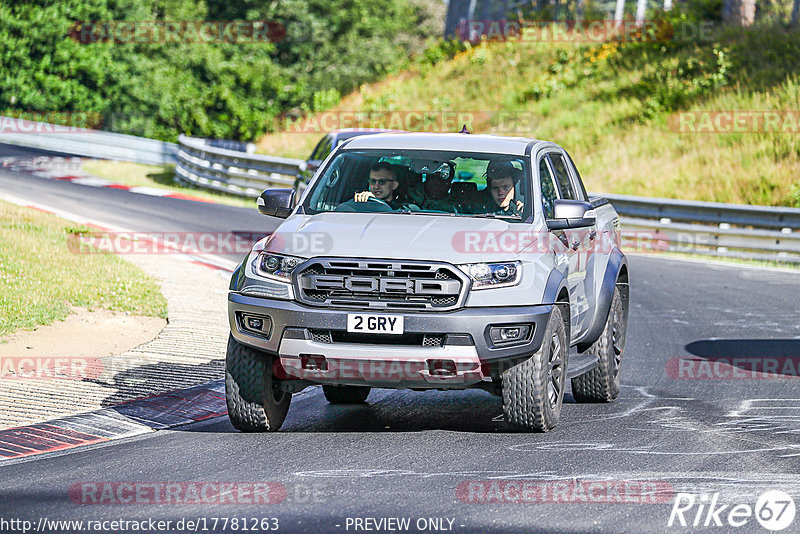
<point>410,454</point>
<point>126,210</point>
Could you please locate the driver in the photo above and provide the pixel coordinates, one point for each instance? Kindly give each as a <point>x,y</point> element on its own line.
<point>383,184</point>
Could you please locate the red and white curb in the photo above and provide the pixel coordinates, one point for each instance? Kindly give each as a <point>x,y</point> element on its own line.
<point>132,418</point>
<point>69,170</point>
<point>211,261</point>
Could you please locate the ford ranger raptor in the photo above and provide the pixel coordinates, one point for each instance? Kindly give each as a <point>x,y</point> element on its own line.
<point>431,261</point>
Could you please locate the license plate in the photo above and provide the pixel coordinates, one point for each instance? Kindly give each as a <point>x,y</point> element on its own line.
<point>374,324</point>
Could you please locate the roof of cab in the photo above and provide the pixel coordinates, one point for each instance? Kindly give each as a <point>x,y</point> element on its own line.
<point>444,141</point>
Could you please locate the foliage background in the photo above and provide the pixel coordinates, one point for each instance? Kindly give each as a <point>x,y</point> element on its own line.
<point>226,90</point>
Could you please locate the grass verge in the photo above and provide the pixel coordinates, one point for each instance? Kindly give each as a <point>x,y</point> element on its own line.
<point>158,177</point>
<point>40,278</point>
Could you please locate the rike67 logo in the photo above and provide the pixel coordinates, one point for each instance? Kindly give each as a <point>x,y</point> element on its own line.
<point>774,510</point>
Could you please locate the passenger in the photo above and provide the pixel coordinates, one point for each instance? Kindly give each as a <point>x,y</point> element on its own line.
<point>383,185</point>
<point>501,177</point>
<point>433,193</point>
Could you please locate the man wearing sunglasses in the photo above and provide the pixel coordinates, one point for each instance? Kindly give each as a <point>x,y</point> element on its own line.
<point>383,184</point>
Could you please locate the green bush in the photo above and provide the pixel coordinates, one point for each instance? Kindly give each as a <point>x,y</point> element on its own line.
<point>227,90</point>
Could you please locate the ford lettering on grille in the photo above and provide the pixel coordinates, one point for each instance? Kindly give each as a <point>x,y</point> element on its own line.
<point>380,284</point>
<point>370,284</point>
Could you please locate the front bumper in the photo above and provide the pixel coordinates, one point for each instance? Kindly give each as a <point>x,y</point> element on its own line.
<point>470,355</point>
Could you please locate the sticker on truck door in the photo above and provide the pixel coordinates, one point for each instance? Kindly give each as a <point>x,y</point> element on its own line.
<point>374,324</point>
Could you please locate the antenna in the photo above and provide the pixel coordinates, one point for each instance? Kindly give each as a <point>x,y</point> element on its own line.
<point>464,130</point>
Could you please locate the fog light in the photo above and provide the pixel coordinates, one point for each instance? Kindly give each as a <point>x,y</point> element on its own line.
<point>256,324</point>
<point>510,333</point>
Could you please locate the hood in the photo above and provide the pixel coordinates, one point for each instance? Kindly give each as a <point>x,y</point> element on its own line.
<point>398,236</point>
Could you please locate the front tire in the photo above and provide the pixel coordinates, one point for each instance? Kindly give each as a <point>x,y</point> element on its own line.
<point>346,394</point>
<point>255,401</point>
<point>534,390</point>
<point>601,384</point>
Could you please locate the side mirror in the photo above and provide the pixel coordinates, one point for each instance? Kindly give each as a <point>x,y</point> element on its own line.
<point>276,202</point>
<point>571,214</point>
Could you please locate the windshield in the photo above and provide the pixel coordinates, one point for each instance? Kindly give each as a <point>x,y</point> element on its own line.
<point>424,182</point>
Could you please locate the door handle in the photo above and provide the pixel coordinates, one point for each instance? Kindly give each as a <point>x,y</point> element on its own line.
<point>592,235</point>
<point>576,245</point>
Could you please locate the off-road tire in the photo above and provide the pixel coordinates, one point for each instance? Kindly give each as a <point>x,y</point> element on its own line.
<point>534,389</point>
<point>255,402</point>
<point>601,384</point>
<point>346,394</point>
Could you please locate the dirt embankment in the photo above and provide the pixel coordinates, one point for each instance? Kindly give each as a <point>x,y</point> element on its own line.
<point>83,333</point>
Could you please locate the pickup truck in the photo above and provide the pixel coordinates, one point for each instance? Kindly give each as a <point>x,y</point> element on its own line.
<point>431,261</point>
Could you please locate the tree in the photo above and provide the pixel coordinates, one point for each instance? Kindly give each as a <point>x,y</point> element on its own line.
<point>739,12</point>
<point>619,12</point>
<point>641,6</point>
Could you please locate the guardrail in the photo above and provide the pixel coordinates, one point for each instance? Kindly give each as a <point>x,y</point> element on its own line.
<point>85,142</point>
<point>766,217</point>
<point>732,230</point>
<point>711,228</point>
<point>231,171</point>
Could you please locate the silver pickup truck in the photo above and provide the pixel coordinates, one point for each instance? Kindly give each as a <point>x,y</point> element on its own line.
<point>431,261</point>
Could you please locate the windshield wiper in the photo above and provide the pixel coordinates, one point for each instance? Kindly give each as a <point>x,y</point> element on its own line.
<point>493,216</point>
<point>446,213</point>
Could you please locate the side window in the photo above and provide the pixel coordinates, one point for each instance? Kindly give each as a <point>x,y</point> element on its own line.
<point>581,185</point>
<point>562,176</point>
<point>549,194</point>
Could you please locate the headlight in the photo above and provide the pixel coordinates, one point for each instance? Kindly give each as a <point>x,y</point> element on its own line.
<point>486,275</point>
<point>276,266</point>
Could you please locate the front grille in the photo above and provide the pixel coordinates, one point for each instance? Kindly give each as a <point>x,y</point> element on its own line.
<point>411,339</point>
<point>321,336</point>
<point>432,341</point>
<point>380,284</point>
